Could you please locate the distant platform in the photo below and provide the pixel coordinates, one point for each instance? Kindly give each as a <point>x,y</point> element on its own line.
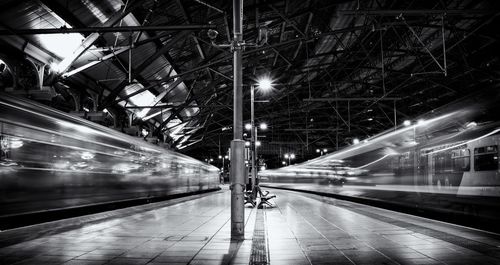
<point>299,229</point>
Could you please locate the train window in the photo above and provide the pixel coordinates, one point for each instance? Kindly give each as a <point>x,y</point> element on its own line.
<point>461,160</point>
<point>442,162</point>
<point>486,158</point>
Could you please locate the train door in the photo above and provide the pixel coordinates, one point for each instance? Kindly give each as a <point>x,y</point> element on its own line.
<point>422,168</point>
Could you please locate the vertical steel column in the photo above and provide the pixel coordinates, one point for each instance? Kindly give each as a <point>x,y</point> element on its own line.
<point>253,135</point>
<point>130,59</point>
<point>254,177</point>
<point>395,116</point>
<point>237,145</point>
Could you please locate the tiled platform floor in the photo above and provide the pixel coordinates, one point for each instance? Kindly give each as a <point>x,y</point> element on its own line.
<point>301,229</point>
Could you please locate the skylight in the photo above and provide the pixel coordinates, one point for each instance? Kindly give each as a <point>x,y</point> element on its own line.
<point>144,98</point>
<point>62,45</point>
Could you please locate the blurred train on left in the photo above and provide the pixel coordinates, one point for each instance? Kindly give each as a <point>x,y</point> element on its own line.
<point>50,160</point>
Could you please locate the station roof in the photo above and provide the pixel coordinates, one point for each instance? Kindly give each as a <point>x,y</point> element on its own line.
<point>341,69</point>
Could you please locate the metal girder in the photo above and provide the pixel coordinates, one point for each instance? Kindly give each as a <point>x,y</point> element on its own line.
<point>287,20</point>
<point>188,19</point>
<point>349,99</point>
<point>282,31</point>
<point>263,48</point>
<point>416,12</point>
<point>91,64</point>
<point>312,130</point>
<point>136,72</point>
<point>61,11</point>
<point>175,113</point>
<point>163,94</point>
<point>66,63</point>
<point>104,29</point>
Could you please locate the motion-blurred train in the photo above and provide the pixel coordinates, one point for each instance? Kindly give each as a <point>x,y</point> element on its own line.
<point>50,160</point>
<point>446,158</point>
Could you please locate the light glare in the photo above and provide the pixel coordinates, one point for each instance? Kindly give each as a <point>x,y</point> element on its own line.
<point>265,83</point>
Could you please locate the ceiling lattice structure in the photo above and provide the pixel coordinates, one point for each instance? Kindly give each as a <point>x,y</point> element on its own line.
<point>341,69</point>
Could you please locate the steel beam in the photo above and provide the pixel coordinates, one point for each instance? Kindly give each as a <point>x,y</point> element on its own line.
<point>311,130</point>
<point>415,12</point>
<point>136,72</point>
<point>104,29</point>
<point>349,99</point>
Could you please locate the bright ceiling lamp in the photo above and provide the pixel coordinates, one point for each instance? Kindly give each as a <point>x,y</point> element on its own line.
<point>265,83</point>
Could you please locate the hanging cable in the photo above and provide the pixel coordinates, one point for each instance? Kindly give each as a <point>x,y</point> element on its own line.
<point>382,60</point>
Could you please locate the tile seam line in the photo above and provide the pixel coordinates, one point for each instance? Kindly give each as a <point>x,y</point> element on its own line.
<point>307,194</point>
<point>208,241</point>
<point>361,241</point>
<point>309,223</point>
<point>389,258</point>
<point>210,219</point>
<point>295,236</point>
<point>362,211</point>
<point>359,209</point>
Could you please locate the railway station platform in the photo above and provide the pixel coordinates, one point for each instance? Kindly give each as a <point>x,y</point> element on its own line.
<point>299,229</point>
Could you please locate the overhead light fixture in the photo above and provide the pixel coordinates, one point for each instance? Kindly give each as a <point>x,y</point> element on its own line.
<point>265,83</point>
<point>407,123</point>
<point>248,126</point>
<point>355,141</point>
<point>263,126</point>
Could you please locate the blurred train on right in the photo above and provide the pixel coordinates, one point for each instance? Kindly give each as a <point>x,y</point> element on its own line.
<point>444,161</point>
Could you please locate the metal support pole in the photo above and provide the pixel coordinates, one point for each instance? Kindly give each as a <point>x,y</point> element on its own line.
<point>255,175</point>
<point>395,117</point>
<point>253,135</point>
<point>382,60</point>
<point>237,186</point>
<point>445,70</point>
<point>237,145</point>
<point>130,59</point>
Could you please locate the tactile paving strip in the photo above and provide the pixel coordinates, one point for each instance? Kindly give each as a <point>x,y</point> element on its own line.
<point>259,254</point>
